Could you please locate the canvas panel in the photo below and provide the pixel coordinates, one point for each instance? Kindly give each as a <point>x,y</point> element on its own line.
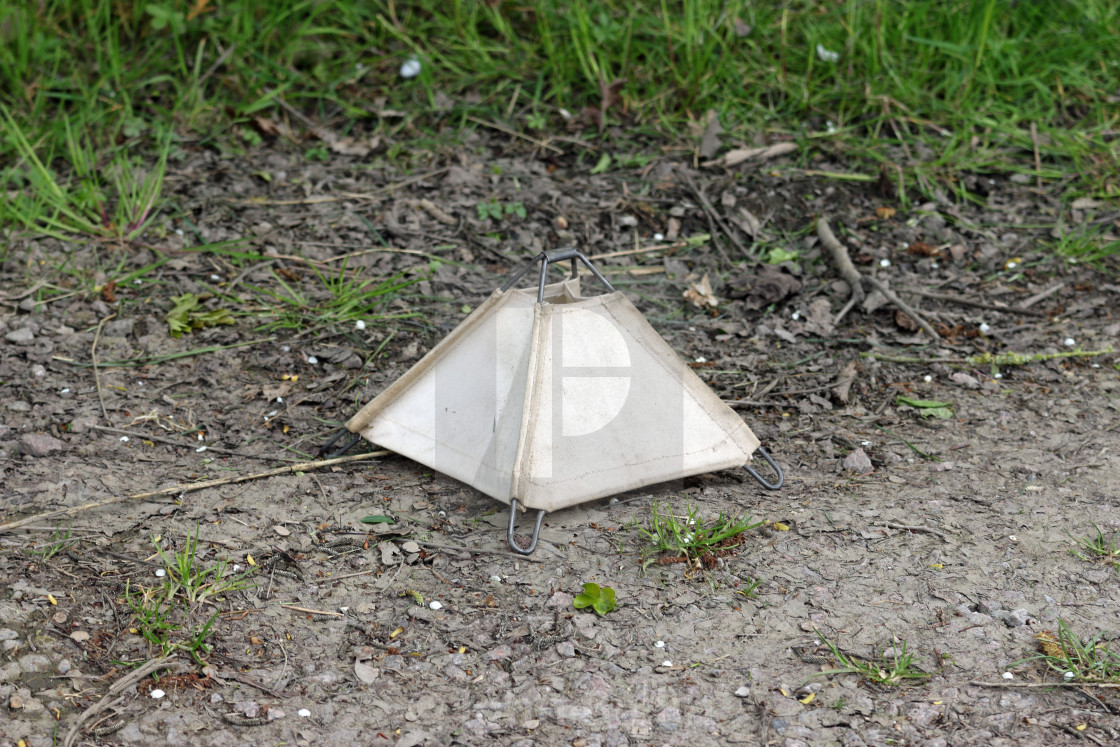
<point>614,408</point>
<point>459,409</point>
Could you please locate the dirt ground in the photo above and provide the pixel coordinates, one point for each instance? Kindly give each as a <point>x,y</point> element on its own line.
<point>951,535</point>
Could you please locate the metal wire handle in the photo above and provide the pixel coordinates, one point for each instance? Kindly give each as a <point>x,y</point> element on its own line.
<point>553,256</point>
<point>774,465</point>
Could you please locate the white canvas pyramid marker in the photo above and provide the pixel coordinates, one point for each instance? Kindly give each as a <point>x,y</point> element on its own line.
<point>546,399</point>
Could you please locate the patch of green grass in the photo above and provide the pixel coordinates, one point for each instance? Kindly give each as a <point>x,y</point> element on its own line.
<point>1090,245</point>
<point>153,616</point>
<point>186,578</point>
<point>1096,660</point>
<point>60,540</point>
<point>338,298</point>
<point>972,87</point>
<point>1099,547</point>
<point>894,669</point>
<point>112,197</point>
<point>690,536</point>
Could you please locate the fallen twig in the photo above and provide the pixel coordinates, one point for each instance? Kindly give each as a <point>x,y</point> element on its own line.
<point>310,611</point>
<point>190,487</point>
<point>1101,685</point>
<point>1021,309</point>
<point>173,442</point>
<point>855,280</point>
<point>110,698</point>
<point>910,528</point>
<point>715,220</point>
<point>93,359</point>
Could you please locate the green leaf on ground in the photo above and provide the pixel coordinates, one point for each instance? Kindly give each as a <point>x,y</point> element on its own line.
<point>600,599</point>
<point>184,319</point>
<point>927,408</point>
<point>603,165</point>
<point>377,519</point>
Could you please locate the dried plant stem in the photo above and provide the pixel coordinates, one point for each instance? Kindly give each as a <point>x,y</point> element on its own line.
<point>189,487</point>
<point>855,280</point>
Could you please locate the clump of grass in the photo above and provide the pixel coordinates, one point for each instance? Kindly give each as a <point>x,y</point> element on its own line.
<point>152,618</point>
<point>186,578</point>
<point>111,198</point>
<point>60,540</point>
<point>1099,547</point>
<point>349,298</point>
<point>690,538</point>
<point>1093,661</point>
<point>894,669</point>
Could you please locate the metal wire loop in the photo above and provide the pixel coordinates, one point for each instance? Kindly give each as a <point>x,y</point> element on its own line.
<point>536,530</point>
<point>777,471</point>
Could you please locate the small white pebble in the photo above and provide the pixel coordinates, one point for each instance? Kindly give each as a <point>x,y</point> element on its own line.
<point>286,348</point>
<point>67,390</point>
<point>985,328</point>
<point>215,277</point>
<point>137,281</point>
<point>666,663</point>
<point>279,399</point>
<point>359,324</point>
<point>303,713</point>
<point>1011,265</point>
<point>436,606</point>
<point>1069,342</point>
<point>659,237</point>
<point>272,414</point>
<point>884,263</point>
<point>701,359</point>
<point>410,68</point>
<point>795,316</point>
<point>997,375</point>
<point>200,449</point>
<point>1068,676</point>
<point>312,360</point>
<point>927,378</point>
<point>124,438</point>
<point>565,114</point>
<point>344,610</point>
<point>933,265</point>
<point>236,568</point>
<point>496,579</point>
<point>179,231</point>
<point>157,694</point>
<point>864,443</point>
<point>660,644</point>
<point>1008,676</point>
<point>160,573</point>
<point>1013,538</point>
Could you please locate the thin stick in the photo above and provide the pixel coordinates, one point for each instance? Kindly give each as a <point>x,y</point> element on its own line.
<point>1039,296</point>
<point>906,308</point>
<point>1102,685</point>
<point>715,220</point>
<point>109,699</point>
<point>1021,309</point>
<point>515,133</point>
<point>93,358</point>
<point>909,528</point>
<point>191,487</point>
<point>311,611</point>
<point>840,258</point>
<point>172,442</point>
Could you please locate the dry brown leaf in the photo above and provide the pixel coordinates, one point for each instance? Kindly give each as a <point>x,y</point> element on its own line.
<point>700,294</point>
<point>845,380</point>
